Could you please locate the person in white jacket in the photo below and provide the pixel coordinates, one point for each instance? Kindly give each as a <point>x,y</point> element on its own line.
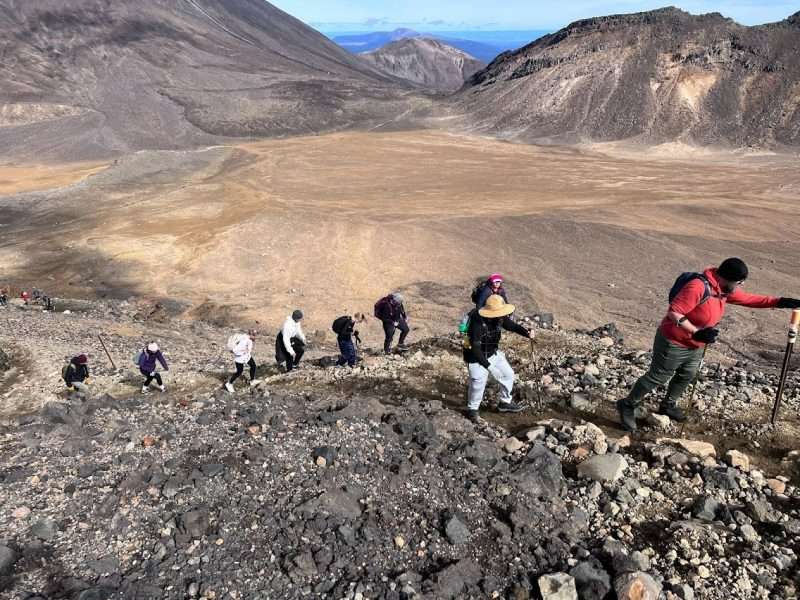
<point>291,341</point>
<point>242,348</point>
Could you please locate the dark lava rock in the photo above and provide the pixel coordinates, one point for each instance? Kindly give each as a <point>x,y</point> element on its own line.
<point>452,581</point>
<point>7,559</point>
<point>591,580</point>
<point>194,523</point>
<point>540,473</point>
<point>45,530</point>
<point>481,453</point>
<point>705,508</point>
<point>329,453</point>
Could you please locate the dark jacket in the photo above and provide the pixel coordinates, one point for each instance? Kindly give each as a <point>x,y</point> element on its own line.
<point>147,361</point>
<point>486,291</point>
<point>392,310</point>
<point>484,337</point>
<point>76,372</point>
<point>348,328</point>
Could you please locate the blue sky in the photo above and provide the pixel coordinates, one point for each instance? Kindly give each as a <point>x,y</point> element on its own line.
<point>441,15</point>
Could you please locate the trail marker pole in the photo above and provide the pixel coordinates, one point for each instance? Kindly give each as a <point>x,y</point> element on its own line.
<point>102,343</point>
<point>792,337</point>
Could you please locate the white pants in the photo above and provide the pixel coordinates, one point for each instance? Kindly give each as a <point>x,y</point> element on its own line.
<point>478,376</point>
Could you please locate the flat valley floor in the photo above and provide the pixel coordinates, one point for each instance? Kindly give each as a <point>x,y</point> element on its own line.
<point>329,223</point>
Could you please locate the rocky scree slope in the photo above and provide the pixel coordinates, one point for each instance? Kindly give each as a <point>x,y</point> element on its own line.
<point>654,77</point>
<point>90,78</point>
<point>310,487</point>
<point>427,62</point>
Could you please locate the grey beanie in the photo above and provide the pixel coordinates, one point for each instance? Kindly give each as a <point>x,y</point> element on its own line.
<point>297,315</point>
<point>398,297</point>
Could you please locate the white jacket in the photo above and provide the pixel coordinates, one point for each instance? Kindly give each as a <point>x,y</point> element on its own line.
<point>291,329</point>
<point>243,351</point>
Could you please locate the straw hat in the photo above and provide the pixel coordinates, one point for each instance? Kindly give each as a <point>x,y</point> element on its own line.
<point>496,308</point>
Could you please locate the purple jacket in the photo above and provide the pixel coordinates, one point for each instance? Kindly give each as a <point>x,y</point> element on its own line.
<point>147,362</point>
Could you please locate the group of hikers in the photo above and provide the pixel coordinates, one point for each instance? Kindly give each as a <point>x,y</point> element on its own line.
<point>696,305</point>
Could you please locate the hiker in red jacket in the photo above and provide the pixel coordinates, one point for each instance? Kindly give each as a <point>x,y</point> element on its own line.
<point>697,304</point>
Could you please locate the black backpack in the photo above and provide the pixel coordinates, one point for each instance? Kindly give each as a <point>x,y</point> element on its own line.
<point>340,324</point>
<point>381,307</point>
<point>685,278</point>
<point>476,292</point>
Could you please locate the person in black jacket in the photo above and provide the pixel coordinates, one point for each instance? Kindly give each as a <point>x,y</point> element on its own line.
<point>76,374</point>
<point>345,329</point>
<point>392,313</point>
<point>483,357</point>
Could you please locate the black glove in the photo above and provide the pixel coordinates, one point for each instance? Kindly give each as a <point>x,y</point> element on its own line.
<point>707,336</point>
<point>788,303</point>
<point>358,337</point>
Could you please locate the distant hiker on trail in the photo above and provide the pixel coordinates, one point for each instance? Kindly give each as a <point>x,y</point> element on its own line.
<point>483,358</point>
<point>493,285</point>
<point>344,328</point>
<point>3,298</point>
<point>147,366</point>
<point>392,313</point>
<point>290,345</point>
<point>76,374</point>
<point>696,305</point>
<point>241,345</point>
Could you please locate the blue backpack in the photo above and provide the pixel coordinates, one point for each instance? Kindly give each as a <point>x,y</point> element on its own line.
<point>685,278</point>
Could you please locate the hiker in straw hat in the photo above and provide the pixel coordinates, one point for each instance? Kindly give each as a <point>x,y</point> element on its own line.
<point>483,357</point>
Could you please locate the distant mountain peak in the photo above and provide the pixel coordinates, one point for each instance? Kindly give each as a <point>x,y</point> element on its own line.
<point>424,61</point>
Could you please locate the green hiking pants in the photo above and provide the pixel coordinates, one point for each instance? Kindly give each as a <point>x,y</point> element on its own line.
<point>671,363</point>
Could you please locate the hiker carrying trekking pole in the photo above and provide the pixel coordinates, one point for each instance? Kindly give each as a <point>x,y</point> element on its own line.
<point>696,306</point>
<point>483,358</point>
<point>344,328</point>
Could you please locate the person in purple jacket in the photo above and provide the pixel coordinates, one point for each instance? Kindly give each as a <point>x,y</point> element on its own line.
<point>147,366</point>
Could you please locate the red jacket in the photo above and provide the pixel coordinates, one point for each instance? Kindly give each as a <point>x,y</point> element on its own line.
<point>710,312</point>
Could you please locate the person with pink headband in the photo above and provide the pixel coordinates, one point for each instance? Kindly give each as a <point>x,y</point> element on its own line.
<point>493,285</point>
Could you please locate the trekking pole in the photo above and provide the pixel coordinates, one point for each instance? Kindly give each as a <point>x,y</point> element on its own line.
<point>537,381</point>
<point>102,343</point>
<point>694,386</point>
<point>792,336</point>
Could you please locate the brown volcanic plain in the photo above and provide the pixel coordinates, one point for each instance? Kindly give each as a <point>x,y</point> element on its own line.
<point>328,223</point>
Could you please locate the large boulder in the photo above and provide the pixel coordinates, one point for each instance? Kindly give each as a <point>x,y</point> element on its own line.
<point>637,586</point>
<point>591,580</point>
<point>606,467</point>
<point>540,473</point>
<point>557,586</point>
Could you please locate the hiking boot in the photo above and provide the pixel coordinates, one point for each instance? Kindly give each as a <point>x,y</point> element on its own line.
<point>229,387</point>
<point>473,416</point>
<point>255,382</point>
<point>627,415</point>
<point>509,407</point>
<point>402,347</point>
<point>673,412</point>
<point>163,388</point>
<point>145,389</point>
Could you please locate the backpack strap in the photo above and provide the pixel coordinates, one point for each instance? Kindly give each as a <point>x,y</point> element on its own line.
<point>707,291</point>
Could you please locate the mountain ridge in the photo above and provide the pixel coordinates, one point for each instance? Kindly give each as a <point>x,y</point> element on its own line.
<point>658,76</point>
